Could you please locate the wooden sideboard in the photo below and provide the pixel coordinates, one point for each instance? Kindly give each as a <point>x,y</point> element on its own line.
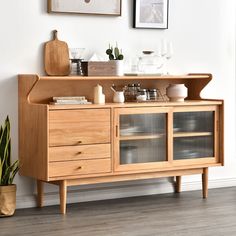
<point>70,145</point>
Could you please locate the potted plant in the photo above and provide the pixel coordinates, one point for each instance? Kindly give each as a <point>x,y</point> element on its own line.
<point>117,56</point>
<point>8,171</point>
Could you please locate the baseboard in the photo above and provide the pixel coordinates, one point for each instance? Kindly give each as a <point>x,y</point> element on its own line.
<point>120,191</point>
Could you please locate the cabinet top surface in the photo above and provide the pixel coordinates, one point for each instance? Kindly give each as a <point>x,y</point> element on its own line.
<point>138,104</point>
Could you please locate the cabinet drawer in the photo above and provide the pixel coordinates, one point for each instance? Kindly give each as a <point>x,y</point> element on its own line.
<point>74,127</point>
<point>68,153</point>
<point>82,167</point>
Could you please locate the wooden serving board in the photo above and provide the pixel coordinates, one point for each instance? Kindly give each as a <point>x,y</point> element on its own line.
<point>56,57</point>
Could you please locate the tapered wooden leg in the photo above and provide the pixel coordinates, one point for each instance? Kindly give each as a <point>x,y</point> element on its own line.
<point>63,193</point>
<point>205,183</point>
<point>178,184</point>
<point>40,193</point>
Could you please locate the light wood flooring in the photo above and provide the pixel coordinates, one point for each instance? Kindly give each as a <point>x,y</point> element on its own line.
<point>168,214</point>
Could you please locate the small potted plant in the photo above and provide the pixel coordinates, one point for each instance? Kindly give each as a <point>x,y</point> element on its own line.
<point>8,171</point>
<point>115,54</point>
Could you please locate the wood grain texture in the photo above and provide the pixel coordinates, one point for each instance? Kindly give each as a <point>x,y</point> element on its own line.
<point>40,193</point>
<point>101,68</point>
<point>76,127</point>
<point>157,215</point>
<point>56,57</point>
<point>205,183</point>
<point>134,176</point>
<point>83,152</point>
<point>63,196</point>
<point>78,168</point>
<point>178,184</point>
<point>48,87</point>
<point>33,132</point>
<point>66,130</point>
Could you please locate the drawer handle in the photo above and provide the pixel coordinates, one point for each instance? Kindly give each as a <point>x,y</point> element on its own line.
<point>79,167</point>
<point>79,142</point>
<point>79,153</point>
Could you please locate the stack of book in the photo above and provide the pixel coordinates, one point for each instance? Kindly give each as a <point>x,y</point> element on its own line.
<point>69,100</point>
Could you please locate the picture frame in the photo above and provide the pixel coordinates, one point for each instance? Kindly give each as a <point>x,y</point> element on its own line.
<point>92,7</point>
<point>151,14</point>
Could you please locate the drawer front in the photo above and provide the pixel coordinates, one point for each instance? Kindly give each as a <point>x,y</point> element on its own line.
<point>68,153</point>
<point>82,167</point>
<point>75,127</point>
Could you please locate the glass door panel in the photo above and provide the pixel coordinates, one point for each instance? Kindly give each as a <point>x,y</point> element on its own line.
<point>142,138</point>
<point>193,135</point>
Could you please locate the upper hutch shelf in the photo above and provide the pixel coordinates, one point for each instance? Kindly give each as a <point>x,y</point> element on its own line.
<point>41,89</point>
<point>149,77</point>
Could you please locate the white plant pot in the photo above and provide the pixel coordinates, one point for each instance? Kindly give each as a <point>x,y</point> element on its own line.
<point>176,92</point>
<point>119,67</point>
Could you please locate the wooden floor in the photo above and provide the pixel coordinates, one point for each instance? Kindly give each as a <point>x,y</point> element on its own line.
<point>168,214</point>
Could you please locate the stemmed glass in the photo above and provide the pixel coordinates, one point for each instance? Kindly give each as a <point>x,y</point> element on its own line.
<point>166,53</point>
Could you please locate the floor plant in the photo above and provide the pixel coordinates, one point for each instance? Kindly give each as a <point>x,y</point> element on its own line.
<point>8,171</point>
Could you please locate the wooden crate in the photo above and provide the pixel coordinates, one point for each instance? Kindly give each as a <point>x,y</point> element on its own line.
<point>100,68</point>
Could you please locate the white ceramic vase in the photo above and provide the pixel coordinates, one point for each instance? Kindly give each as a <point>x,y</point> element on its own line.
<point>176,92</point>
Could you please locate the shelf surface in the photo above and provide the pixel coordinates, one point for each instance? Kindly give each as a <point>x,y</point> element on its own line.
<point>140,137</point>
<point>191,134</point>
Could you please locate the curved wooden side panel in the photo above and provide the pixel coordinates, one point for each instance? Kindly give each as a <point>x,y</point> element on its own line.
<point>195,86</point>
<point>33,128</point>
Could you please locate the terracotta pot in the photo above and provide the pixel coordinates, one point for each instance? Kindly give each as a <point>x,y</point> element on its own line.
<point>7,200</point>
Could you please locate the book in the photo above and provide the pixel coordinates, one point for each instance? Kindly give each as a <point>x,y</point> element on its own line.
<point>71,103</point>
<point>69,98</point>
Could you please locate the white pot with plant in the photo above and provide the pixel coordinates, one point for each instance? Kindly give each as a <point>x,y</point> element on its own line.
<point>117,56</point>
<point>8,171</point>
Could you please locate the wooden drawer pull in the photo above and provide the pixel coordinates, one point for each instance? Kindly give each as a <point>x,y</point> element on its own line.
<point>79,142</point>
<point>79,167</point>
<point>79,153</point>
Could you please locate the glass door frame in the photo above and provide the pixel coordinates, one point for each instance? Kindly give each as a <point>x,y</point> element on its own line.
<point>169,143</point>
<point>204,160</point>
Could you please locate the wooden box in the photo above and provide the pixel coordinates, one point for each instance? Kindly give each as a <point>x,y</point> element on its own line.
<point>100,68</point>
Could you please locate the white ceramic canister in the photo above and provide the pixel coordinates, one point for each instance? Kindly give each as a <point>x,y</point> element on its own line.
<point>118,97</point>
<point>176,92</point>
<point>119,67</point>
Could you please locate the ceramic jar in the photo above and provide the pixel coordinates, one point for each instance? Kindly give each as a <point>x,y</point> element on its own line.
<point>176,92</point>
<point>118,97</point>
<point>99,97</point>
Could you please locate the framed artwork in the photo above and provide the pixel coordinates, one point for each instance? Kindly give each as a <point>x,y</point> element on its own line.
<point>97,7</point>
<point>151,14</point>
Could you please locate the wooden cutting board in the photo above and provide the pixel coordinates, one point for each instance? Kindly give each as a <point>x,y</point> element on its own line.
<point>56,57</point>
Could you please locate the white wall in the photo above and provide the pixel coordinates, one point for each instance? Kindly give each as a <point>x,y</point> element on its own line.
<point>203,34</point>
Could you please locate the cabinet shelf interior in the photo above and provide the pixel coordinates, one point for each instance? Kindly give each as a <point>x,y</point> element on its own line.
<point>191,134</point>
<point>141,137</point>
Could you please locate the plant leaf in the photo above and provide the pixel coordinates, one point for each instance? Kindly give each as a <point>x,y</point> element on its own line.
<point>0,171</point>
<point>15,168</point>
<point>7,170</point>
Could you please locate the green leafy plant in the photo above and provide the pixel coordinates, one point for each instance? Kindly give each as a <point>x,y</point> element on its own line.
<point>7,169</point>
<point>114,54</point>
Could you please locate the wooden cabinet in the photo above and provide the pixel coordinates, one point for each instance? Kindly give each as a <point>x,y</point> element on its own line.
<point>71,145</point>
